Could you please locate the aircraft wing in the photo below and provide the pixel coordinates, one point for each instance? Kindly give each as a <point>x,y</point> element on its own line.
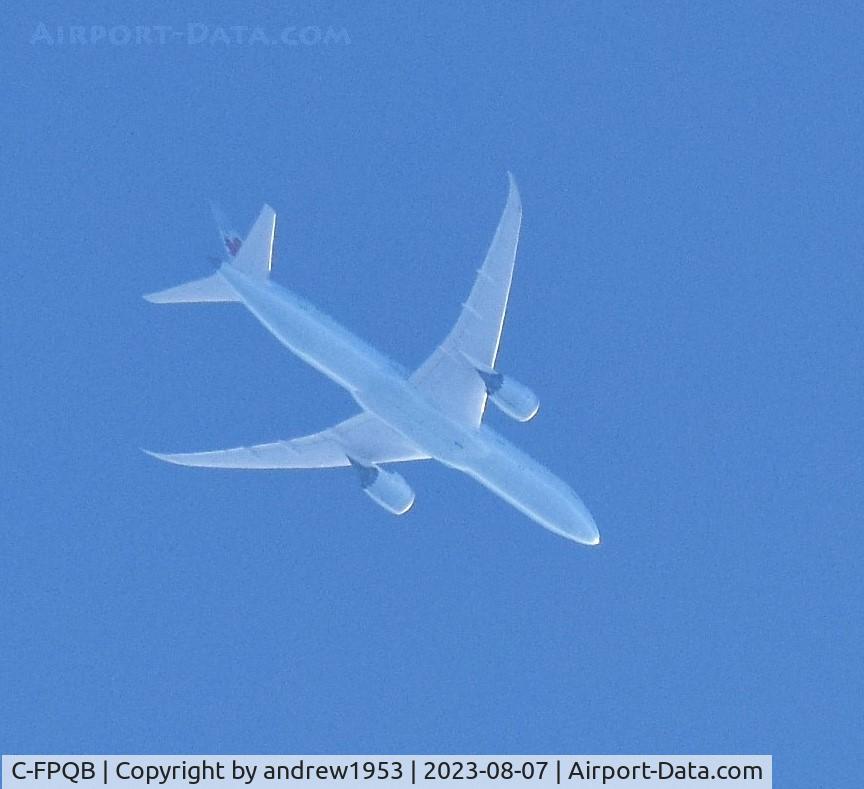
<point>364,437</point>
<point>448,376</point>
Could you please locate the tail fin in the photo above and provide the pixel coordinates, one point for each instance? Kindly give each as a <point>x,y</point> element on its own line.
<point>253,257</point>
<point>256,253</point>
<point>230,239</point>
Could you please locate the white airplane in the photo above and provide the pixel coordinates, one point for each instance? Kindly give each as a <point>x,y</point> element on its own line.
<point>433,413</point>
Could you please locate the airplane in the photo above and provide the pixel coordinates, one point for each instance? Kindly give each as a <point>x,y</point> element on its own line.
<point>435,412</point>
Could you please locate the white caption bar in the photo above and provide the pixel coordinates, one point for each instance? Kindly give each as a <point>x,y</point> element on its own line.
<point>386,772</point>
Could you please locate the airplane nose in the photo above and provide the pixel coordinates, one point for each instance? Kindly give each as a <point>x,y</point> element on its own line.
<point>569,517</point>
<point>590,536</point>
<point>586,530</point>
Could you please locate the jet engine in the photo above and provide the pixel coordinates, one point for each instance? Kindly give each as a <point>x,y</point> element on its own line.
<point>386,488</point>
<point>511,397</point>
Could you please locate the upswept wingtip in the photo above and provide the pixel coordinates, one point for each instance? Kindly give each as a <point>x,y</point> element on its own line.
<point>513,195</point>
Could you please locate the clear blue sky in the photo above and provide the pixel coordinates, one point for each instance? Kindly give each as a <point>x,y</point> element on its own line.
<point>687,304</point>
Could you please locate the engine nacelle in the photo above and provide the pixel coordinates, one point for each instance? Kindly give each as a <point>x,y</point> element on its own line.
<point>386,488</point>
<point>511,397</point>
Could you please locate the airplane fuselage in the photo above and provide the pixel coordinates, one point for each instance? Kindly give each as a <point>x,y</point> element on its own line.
<point>382,387</point>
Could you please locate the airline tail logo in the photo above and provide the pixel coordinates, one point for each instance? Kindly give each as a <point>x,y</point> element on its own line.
<point>232,244</point>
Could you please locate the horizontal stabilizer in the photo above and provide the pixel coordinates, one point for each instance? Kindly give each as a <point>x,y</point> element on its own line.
<point>212,288</point>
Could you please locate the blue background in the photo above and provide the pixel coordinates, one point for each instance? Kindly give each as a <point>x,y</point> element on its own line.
<point>687,304</point>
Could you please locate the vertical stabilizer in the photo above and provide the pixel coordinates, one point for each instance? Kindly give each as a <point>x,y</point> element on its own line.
<point>255,255</point>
